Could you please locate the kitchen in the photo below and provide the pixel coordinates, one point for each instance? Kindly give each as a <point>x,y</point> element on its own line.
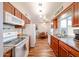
<point>22,31</point>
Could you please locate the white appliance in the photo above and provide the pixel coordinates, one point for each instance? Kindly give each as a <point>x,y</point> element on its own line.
<point>21,46</point>
<point>30,29</point>
<point>11,19</point>
<point>49,35</point>
<point>9,36</point>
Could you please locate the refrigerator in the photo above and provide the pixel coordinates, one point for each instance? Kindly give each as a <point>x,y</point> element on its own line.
<point>30,29</point>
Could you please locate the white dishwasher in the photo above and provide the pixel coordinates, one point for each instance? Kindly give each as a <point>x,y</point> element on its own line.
<point>22,48</point>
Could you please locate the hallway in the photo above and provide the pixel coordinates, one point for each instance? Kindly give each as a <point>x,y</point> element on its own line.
<point>42,49</point>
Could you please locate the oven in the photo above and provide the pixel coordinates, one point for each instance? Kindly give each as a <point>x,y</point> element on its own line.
<point>21,49</point>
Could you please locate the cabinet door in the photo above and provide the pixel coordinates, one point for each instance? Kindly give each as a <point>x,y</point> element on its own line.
<point>70,55</point>
<point>55,23</point>
<point>8,54</point>
<point>76,14</point>
<point>17,13</point>
<point>24,18</point>
<point>63,52</point>
<point>56,49</point>
<point>54,45</point>
<point>8,7</point>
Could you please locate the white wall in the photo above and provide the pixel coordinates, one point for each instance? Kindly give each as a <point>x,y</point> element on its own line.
<point>43,27</point>
<point>1,29</point>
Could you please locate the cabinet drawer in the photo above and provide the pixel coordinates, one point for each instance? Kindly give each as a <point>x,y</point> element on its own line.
<point>70,49</point>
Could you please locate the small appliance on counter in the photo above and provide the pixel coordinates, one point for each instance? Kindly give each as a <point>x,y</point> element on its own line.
<point>76,32</point>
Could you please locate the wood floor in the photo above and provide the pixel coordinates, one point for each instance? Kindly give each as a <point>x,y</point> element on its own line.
<point>41,49</point>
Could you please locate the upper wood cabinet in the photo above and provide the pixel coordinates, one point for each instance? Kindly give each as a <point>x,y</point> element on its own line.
<point>24,18</point>
<point>27,21</point>
<point>18,13</point>
<point>73,11</point>
<point>11,9</point>
<point>75,21</point>
<point>8,7</point>
<point>55,23</point>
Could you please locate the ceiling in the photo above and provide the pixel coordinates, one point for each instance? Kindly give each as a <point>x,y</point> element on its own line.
<point>32,10</point>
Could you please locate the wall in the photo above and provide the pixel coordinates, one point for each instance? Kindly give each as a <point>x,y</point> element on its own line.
<point>43,27</point>
<point>1,29</point>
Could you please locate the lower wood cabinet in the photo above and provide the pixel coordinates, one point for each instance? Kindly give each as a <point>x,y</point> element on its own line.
<point>61,49</point>
<point>54,45</point>
<point>8,54</point>
<point>63,52</point>
<point>70,55</point>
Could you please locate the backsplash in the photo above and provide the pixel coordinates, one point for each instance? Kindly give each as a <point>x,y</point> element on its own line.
<point>10,28</point>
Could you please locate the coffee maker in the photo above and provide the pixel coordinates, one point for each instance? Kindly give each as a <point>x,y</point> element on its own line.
<point>76,32</point>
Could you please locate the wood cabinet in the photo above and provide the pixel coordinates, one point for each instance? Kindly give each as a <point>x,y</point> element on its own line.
<point>17,13</point>
<point>27,21</point>
<point>76,14</point>
<point>8,7</point>
<point>55,23</point>
<point>24,18</point>
<point>62,52</point>
<point>73,9</point>
<point>11,9</point>
<point>54,45</point>
<point>61,49</point>
<point>8,54</point>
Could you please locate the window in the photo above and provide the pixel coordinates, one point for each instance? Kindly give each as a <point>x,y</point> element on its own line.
<point>63,23</point>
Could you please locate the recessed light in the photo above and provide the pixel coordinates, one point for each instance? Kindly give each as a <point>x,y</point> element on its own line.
<point>40,4</point>
<point>40,10</point>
